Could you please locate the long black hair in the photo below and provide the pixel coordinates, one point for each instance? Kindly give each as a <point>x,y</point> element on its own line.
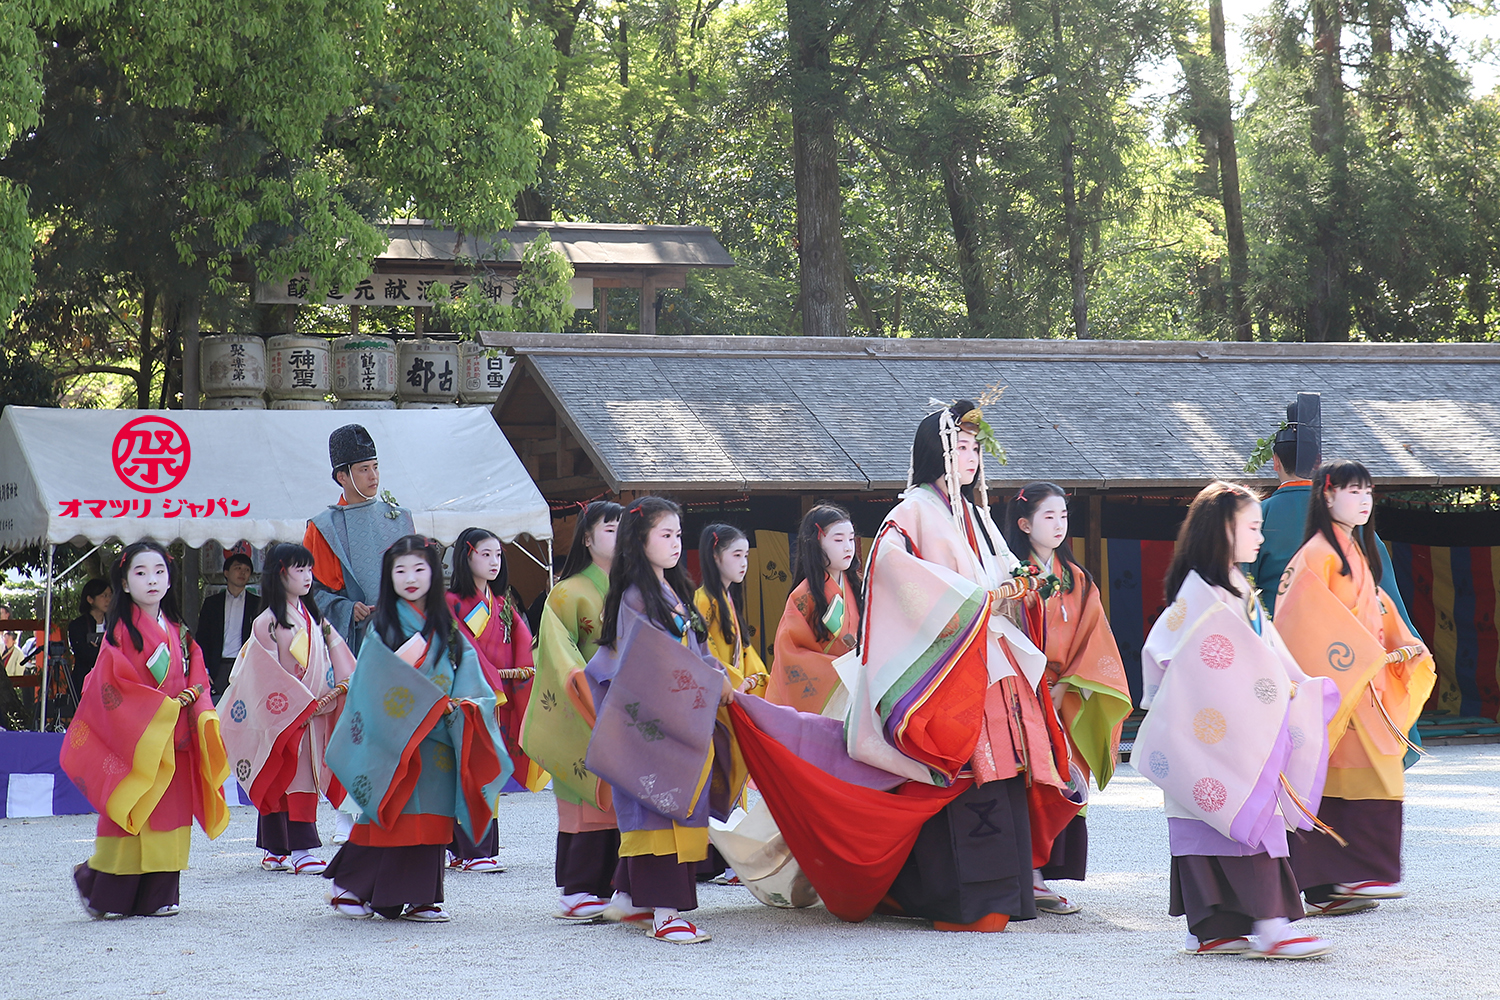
<point>1023,506</point>
<point>438,623</point>
<point>810,564</point>
<point>715,539</point>
<point>579,558</point>
<point>91,590</point>
<point>463,575</point>
<point>284,556</point>
<point>120,602</point>
<point>1332,476</point>
<point>1204,541</point>
<point>631,569</point>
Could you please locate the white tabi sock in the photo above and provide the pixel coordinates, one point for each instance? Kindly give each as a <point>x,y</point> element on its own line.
<point>299,855</point>
<point>1271,932</point>
<point>662,914</point>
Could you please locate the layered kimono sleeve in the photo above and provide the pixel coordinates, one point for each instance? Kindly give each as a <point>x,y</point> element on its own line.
<point>1099,699</point>
<point>555,731</point>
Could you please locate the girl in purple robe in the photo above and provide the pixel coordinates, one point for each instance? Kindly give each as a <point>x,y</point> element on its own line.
<point>656,740</point>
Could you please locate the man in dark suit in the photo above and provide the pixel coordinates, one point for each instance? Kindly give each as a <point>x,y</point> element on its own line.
<point>225,619</point>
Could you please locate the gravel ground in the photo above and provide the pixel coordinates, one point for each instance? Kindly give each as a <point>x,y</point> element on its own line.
<point>246,933</point>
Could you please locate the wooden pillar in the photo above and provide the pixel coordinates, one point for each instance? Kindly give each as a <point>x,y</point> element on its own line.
<point>421,316</point>
<point>602,294</point>
<point>1093,545</point>
<point>354,319</point>
<point>191,311</point>
<point>648,306</point>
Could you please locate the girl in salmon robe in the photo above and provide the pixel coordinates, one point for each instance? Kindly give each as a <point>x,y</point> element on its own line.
<point>1085,675</point>
<point>822,612</point>
<point>481,604</point>
<point>144,747</point>
<point>283,701</point>
<point>1340,623</point>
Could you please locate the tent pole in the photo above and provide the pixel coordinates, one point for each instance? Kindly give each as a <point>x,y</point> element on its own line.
<point>41,723</point>
<point>551,580</point>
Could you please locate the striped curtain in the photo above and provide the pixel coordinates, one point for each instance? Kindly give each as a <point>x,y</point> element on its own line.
<point>1451,594</point>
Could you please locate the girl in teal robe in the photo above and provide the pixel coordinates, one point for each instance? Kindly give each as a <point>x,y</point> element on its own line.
<point>417,746</point>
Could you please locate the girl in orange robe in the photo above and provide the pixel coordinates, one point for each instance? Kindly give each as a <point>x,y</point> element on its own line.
<point>819,623</point>
<point>1085,674</point>
<point>1331,600</point>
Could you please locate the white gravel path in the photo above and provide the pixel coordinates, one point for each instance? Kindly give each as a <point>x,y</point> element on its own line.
<point>243,933</point>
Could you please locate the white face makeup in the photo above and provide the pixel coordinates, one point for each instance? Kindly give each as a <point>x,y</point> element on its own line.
<point>601,541</point>
<point>486,559</point>
<point>966,457</point>
<point>664,543</point>
<point>297,580</point>
<point>147,581</point>
<point>411,576</point>
<point>733,561</point>
<point>1245,537</point>
<point>1047,527</point>
<point>838,543</point>
<point>1350,506</point>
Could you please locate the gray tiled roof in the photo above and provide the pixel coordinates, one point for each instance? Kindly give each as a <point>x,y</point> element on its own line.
<point>584,244</point>
<point>799,413</point>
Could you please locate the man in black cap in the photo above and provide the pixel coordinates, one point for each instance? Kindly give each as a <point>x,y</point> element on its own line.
<point>1296,451</point>
<point>348,540</point>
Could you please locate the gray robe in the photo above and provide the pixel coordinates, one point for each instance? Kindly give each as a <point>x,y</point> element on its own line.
<point>358,534</point>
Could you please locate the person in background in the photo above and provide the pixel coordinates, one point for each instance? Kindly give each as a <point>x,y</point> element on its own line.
<point>224,620</point>
<point>348,539</point>
<point>87,630</point>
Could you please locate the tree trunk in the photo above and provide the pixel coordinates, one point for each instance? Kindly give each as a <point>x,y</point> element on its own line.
<point>143,376</point>
<point>534,203</point>
<point>966,239</point>
<point>1229,187</point>
<point>815,167</point>
<point>1328,264</point>
<point>1072,216</point>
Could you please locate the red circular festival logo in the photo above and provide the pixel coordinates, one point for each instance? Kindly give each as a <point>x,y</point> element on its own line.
<point>151,454</point>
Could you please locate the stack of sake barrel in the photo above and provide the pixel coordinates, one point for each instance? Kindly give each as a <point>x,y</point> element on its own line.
<point>361,372</point>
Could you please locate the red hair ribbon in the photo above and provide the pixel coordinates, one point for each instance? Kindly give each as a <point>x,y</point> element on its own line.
<point>820,529</point>
<point>1327,482</point>
<point>716,539</point>
<point>1021,495</point>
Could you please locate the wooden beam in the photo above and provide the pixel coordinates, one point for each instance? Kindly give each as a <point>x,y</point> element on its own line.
<point>1093,544</point>
<point>648,306</point>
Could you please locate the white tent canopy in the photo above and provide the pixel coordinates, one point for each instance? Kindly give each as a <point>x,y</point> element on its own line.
<point>258,475</point>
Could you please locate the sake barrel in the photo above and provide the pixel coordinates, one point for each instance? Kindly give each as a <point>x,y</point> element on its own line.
<point>366,404</point>
<point>297,367</point>
<point>232,364</point>
<point>427,371</point>
<point>429,406</point>
<point>301,404</point>
<point>364,367</point>
<point>484,372</point>
<point>234,403</point>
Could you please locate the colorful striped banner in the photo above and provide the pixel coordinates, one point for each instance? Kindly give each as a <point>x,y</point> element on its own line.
<point>1452,596</point>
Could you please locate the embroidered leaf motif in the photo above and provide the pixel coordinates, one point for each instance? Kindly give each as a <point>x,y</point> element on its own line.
<point>650,729</point>
<point>585,626</point>
<point>549,701</point>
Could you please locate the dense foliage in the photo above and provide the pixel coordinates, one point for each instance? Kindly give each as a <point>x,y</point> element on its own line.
<point>925,168</point>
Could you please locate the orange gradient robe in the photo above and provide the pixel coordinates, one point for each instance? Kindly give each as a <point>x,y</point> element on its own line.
<point>148,764</point>
<point>802,674</point>
<point>1341,627</point>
